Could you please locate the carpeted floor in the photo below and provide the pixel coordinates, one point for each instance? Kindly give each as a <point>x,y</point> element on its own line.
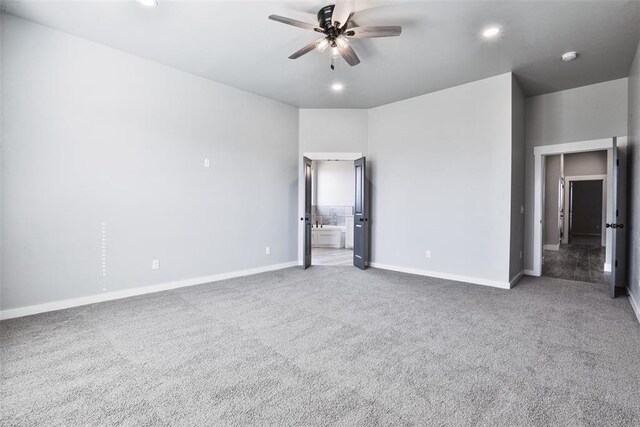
<point>331,345</point>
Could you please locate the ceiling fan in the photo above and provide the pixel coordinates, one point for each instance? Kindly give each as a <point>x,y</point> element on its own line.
<point>335,25</point>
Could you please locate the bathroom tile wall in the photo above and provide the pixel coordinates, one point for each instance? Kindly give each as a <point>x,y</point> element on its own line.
<point>331,215</point>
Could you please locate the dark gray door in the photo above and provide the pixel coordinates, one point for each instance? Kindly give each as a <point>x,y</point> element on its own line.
<point>361,217</point>
<point>307,213</point>
<point>617,222</point>
<point>586,209</point>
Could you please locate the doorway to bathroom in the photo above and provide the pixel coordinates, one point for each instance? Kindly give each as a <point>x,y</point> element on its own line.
<point>332,212</point>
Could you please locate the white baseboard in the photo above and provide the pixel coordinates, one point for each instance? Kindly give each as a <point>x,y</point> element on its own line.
<point>109,296</point>
<point>634,305</point>
<point>607,267</point>
<point>530,273</point>
<point>419,272</point>
<point>555,247</point>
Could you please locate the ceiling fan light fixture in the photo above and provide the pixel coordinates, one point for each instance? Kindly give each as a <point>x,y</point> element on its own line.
<point>148,3</point>
<point>322,45</point>
<point>334,23</point>
<point>342,43</point>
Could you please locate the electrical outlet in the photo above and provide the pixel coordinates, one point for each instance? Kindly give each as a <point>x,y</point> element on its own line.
<point>268,250</point>
<point>521,209</point>
<point>427,254</point>
<point>520,254</point>
<point>155,264</point>
<point>207,163</point>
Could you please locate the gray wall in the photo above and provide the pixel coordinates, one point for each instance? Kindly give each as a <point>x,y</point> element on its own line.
<point>580,114</point>
<point>552,178</point>
<point>1,157</point>
<point>441,180</point>
<point>516,263</point>
<point>333,131</point>
<point>335,183</point>
<point>93,135</point>
<point>633,179</point>
<point>328,131</point>
<point>589,163</point>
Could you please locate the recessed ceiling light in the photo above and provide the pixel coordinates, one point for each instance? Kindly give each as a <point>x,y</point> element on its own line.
<point>569,56</point>
<point>490,32</point>
<point>148,3</point>
<point>337,87</point>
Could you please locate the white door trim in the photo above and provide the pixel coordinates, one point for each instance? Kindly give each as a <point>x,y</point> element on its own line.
<point>332,156</point>
<point>567,184</point>
<point>538,186</point>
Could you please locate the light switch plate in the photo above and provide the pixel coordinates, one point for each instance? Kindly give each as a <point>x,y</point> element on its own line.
<point>427,254</point>
<point>207,163</point>
<point>268,250</point>
<point>155,264</point>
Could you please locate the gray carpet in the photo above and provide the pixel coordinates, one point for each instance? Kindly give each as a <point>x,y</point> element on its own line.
<point>331,345</point>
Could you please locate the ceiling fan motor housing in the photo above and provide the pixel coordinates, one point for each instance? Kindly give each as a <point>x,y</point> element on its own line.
<point>324,17</point>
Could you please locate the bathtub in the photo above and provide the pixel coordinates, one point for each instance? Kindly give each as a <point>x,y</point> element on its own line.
<point>328,236</point>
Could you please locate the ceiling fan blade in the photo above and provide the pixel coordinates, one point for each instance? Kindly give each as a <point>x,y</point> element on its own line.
<point>308,48</point>
<point>341,13</point>
<point>370,32</point>
<point>295,23</point>
<point>349,55</point>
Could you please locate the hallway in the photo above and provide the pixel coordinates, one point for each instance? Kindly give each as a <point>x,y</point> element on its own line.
<point>581,261</point>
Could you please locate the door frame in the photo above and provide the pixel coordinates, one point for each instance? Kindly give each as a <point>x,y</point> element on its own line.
<point>567,185</point>
<point>539,153</point>
<point>313,156</point>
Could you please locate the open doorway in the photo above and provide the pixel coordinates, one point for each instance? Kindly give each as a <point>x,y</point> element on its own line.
<point>615,239</point>
<point>332,209</point>
<point>575,201</point>
<point>586,206</point>
<point>354,212</point>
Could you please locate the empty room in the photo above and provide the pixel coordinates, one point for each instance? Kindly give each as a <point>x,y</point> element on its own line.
<point>358,212</point>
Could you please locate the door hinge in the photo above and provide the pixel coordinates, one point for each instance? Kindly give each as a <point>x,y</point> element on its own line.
<point>616,263</point>
<point>617,213</point>
<point>617,162</point>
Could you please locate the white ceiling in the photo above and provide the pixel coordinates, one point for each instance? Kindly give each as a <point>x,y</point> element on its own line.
<point>234,43</point>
